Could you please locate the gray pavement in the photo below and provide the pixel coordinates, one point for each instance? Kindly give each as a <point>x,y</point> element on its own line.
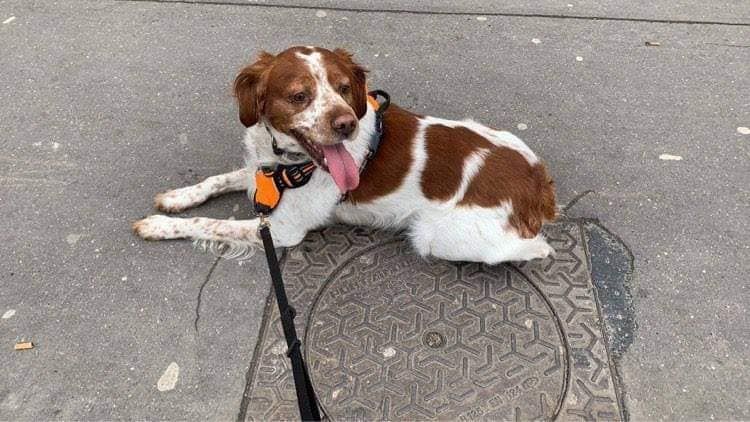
<point>103,104</point>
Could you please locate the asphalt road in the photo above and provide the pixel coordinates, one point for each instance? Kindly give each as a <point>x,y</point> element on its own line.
<point>103,104</point>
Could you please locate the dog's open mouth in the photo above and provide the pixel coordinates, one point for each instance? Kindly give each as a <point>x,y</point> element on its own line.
<point>314,150</point>
<point>334,159</point>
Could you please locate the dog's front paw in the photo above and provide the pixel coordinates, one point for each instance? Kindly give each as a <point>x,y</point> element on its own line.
<point>178,200</point>
<point>156,227</point>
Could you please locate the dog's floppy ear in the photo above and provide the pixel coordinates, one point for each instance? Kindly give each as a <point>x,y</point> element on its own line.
<point>359,82</point>
<point>250,88</point>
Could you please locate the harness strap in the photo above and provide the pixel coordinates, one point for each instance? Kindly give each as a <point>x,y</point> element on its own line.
<point>306,399</point>
<point>380,109</point>
<point>270,183</point>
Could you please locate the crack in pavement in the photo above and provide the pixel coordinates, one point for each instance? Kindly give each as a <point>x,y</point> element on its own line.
<point>575,200</point>
<point>200,293</point>
<point>728,45</point>
<point>444,12</point>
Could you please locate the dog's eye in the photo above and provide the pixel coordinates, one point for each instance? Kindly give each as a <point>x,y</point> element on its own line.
<point>344,89</point>
<point>299,97</point>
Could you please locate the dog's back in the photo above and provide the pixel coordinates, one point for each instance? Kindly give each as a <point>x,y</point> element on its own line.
<point>459,186</point>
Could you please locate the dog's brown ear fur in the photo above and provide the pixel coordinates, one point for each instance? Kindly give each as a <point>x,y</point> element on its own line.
<point>359,82</point>
<point>250,88</point>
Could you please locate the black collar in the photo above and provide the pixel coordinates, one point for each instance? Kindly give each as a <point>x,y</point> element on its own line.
<point>378,135</point>
<point>280,152</point>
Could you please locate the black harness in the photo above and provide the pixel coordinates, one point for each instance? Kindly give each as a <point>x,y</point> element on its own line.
<point>291,176</point>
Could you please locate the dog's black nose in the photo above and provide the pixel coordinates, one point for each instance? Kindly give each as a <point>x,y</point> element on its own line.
<point>344,124</point>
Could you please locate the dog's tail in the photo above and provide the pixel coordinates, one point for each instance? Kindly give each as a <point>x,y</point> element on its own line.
<point>546,187</point>
<point>537,208</point>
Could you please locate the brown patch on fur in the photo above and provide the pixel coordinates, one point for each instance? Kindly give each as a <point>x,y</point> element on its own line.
<point>386,172</point>
<point>264,88</point>
<point>287,76</point>
<point>504,176</point>
<point>356,97</point>
<point>447,150</point>
<point>507,176</point>
<point>250,88</point>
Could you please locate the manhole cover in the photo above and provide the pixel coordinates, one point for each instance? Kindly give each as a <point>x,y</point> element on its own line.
<point>378,349</point>
<point>389,336</point>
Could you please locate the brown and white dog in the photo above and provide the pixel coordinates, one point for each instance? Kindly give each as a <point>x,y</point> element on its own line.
<point>462,191</point>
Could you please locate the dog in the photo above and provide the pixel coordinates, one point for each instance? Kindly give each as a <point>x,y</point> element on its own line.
<point>460,190</point>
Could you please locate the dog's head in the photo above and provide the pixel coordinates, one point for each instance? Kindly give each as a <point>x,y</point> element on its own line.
<point>312,97</point>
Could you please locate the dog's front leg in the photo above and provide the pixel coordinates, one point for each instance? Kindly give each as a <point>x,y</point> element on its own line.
<point>236,232</point>
<point>178,200</point>
<point>300,210</point>
<point>161,227</point>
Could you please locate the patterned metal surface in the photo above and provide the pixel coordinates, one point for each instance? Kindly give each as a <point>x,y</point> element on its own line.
<point>389,336</point>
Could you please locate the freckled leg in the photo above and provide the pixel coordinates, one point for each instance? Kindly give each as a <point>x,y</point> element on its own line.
<point>160,227</point>
<point>181,199</point>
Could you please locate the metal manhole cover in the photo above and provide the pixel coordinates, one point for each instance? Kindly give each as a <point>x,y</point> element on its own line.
<point>378,329</point>
<point>388,335</point>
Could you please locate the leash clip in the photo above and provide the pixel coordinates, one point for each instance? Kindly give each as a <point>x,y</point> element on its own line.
<point>291,349</point>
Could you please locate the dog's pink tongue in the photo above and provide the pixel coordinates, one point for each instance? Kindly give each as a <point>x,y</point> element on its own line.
<point>341,166</point>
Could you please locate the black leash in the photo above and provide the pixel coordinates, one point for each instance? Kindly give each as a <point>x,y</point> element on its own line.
<point>273,182</point>
<point>308,402</point>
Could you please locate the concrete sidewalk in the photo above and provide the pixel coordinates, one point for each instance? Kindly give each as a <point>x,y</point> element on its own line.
<point>104,104</point>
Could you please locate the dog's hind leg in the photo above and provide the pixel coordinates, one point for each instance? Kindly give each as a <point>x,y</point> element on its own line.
<point>477,234</point>
<point>181,199</point>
